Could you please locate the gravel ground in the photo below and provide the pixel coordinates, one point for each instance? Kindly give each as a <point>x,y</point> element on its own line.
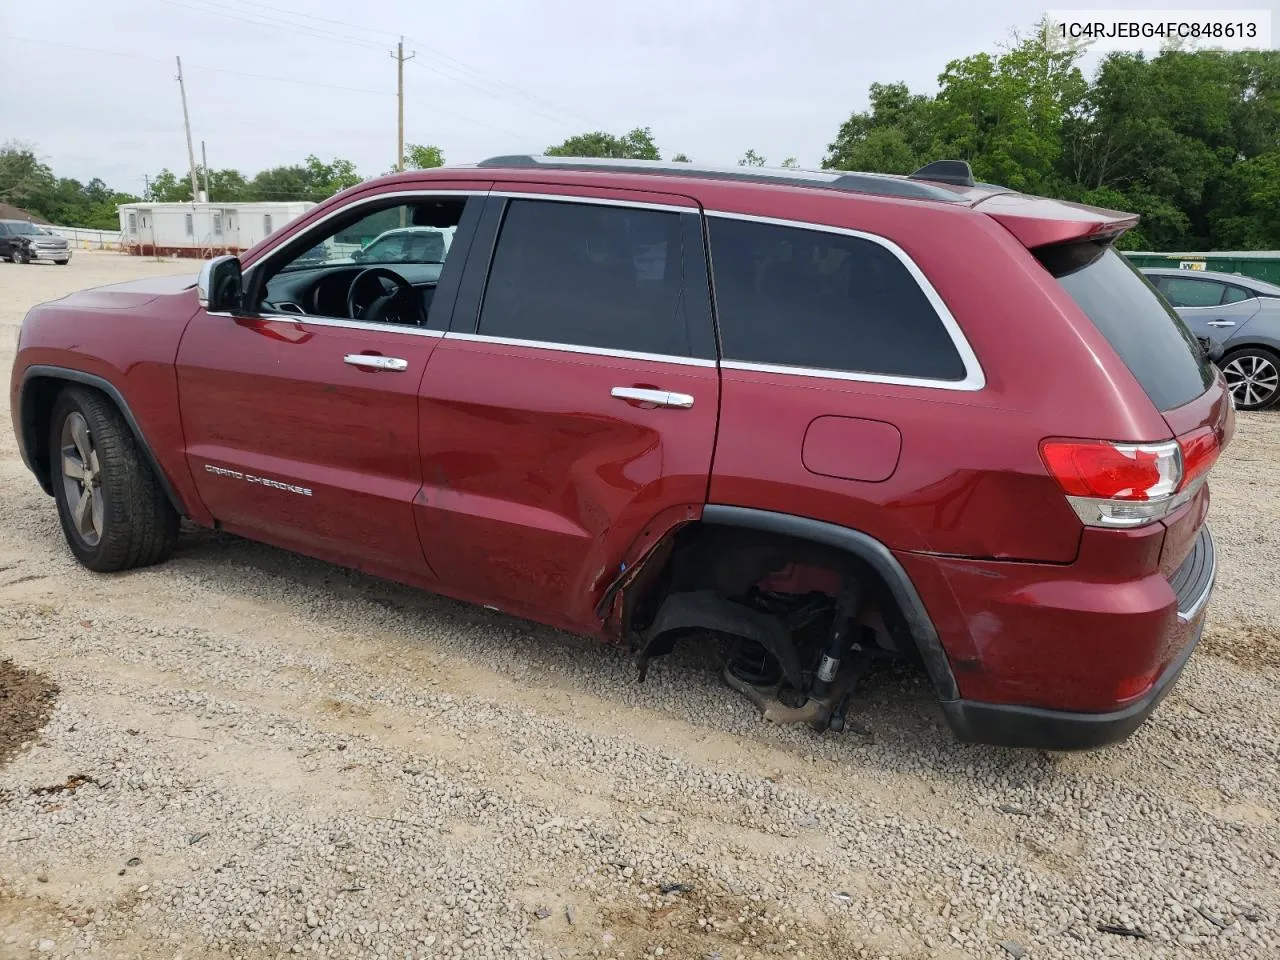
<point>253,754</point>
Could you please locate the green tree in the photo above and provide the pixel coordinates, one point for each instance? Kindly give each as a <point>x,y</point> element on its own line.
<point>751,159</point>
<point>313,179</point>
<point>168,187</point>
<point>790,163</point>
<point>897,135</point>
<point>25,181</point>
<point>1005,112</point>
<point>419,156</point>
<point>636,145</point>
<point>681,158</point>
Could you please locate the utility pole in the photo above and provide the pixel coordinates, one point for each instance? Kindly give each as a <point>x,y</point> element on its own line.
<point>204,162</point>
<point>186,122</point>
<point>400,58</point>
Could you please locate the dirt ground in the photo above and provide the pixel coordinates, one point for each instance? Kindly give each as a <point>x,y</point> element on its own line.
<point>247,753</point>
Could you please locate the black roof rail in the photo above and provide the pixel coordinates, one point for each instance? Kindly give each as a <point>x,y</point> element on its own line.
<point>883,184</point>
<point>956,172</point>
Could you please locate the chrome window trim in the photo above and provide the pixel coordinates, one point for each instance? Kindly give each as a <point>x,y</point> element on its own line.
<point>331,322</point>
<point>575,348</point>
<point>974,378</point>
<point>597,201</point>
<point>352,324</point>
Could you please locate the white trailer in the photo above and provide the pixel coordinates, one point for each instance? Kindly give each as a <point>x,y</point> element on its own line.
<point>202,230</point>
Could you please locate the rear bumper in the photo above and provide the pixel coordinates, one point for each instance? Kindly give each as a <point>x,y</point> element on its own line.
<point>1061,660</point>
<point>1002,725</point>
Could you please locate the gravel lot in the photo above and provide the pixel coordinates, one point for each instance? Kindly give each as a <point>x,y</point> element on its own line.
<point>247,753</point>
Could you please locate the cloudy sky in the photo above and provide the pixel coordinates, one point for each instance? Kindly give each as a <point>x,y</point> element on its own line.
<point>91,82</point>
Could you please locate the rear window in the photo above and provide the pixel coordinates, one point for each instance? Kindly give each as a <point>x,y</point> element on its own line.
<point>1149,337</point>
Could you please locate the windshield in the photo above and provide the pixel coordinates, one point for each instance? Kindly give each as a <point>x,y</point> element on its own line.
<point>1141,327</point>
<point>24,228</point>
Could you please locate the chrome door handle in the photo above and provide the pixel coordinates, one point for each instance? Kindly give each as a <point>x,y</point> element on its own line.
<point>375,362</point>
<point>661,398</point>
<point>1221,323</point>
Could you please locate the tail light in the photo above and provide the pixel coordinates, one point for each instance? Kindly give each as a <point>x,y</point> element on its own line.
<point>1130,484</point>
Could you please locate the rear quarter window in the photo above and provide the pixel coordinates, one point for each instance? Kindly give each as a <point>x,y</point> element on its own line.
<point>789,296</point>
<point>1141,327</point>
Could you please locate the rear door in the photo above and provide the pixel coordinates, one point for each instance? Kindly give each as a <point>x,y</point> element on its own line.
<point>569,414</point>
<point>1210,308</point>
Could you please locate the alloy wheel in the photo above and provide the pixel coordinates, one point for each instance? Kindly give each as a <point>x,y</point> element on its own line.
<point>1252,379</point>
<point>82,479</point>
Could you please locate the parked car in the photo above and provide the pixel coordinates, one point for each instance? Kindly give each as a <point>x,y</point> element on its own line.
<point>406,245</point>
<point>808,412</point>
<point>23,242</point>
<point>1242,316</point>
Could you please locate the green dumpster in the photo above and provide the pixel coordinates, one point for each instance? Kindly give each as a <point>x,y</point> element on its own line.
<point>1259,264</point>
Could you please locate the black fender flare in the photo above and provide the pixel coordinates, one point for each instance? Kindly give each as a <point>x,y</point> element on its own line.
<point>872,552</point>
<point>27,441</point>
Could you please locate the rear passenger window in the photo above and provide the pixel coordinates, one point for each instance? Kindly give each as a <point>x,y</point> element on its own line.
<point>1236,295</point>
<point>586,275</point>
<point>809,298</point>
<point>1183,292</point>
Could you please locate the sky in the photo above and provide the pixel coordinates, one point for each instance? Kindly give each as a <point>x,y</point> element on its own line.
<point>91,83</point>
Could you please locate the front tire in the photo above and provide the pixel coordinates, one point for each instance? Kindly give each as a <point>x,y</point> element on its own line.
<point>113,512</point>
<point>1253,377</point>
<point>20,256</point>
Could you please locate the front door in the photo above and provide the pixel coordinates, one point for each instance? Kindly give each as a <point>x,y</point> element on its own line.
<point>301,417</point>
<point>572,406</point>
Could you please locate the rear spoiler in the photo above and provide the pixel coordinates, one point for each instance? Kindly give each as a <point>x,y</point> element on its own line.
<point>1040,222</point>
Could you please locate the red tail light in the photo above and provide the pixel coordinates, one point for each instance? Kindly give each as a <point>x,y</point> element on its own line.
<point>1113,471</point>
<point>1200,450</point>
<point>1129,484</point>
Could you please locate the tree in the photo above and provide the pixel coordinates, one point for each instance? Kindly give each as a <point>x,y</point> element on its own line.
<point>751,159</point>
<point>419,156</point>
<point>897,135</point>
<point>790,163</point>
<point>167,187</point>
<point>1005,112</point>
<point>314,180</point>
<point>636,145</point>
<point>681,158</point>
<point>25,181</point>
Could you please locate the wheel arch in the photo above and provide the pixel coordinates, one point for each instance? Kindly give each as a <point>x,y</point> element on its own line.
<point>41,385</point>
<point>868,552</point>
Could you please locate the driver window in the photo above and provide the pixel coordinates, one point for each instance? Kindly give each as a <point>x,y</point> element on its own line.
<point>376,264</point>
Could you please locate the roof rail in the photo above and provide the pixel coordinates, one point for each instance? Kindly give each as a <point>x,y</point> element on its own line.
<point>882,184</point>
<point>956,172</point>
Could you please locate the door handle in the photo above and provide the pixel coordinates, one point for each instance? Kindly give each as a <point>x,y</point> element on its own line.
<point>1222,323</point>
<point>372,361</point>
<point>660,398</point>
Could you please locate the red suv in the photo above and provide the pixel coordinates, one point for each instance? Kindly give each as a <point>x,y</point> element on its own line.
<point>829,416</point>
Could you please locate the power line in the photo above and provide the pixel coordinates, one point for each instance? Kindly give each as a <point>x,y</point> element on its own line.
<point>274,23</point>
<point>190,67</point>
<point>439,55</point>
<point>435,69</point>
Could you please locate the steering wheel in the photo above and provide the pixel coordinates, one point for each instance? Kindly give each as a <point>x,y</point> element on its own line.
<point>392,299</point>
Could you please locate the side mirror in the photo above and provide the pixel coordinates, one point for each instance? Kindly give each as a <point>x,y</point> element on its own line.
<point>358,256</point>
<point>220,288</point>
<point>1212,349</point>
